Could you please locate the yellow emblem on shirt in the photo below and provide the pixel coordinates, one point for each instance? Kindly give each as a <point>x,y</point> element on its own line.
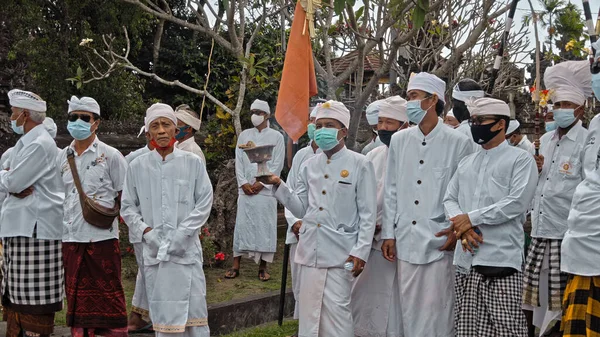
<point>345,173</point>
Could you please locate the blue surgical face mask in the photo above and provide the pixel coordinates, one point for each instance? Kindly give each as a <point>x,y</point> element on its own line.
<point>311,131</point>
<point>79,129</point>
<point>596,85</point>
<point>564,117</point>
<point>18,129</point>
<point>183,130</point>
<point>415,112</point>
<point>326,138</point>
<point>550,126</point>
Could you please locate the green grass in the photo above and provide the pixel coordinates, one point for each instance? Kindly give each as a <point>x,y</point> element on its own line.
<point>268,330</point>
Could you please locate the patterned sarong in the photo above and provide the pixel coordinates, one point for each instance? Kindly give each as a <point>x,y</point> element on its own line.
<point>95,297</point>
<point>581,310</point>
<point>557,280</point>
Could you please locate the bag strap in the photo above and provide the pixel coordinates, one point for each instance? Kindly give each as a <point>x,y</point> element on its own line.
<point>75,174</point>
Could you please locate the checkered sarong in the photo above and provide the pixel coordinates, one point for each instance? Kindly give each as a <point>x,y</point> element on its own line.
<point>557,281</point>
<point>581,315</point>
<point>33,272</point>
<point>489,306</point>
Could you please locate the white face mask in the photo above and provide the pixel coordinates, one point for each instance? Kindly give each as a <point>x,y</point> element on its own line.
<point>257,119</point>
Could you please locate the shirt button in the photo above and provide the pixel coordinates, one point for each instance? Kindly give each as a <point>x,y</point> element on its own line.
<point>328,161</point>
<point>319,225</point>
<point>421,162</point>
<point>416,202</point>
<point>424,143</point>
<point>540,212</point>
<point>419,182</point>
<point>324,192</point>
<point>320,208</point>
<point>414,222</point>
<point>326,176</point>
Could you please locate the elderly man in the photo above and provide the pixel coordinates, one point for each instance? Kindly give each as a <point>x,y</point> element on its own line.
<point>560,164</point>
<point>486,202</point>
<point>169,226</point>
<point>416,232</point>
<point>301,156</point>
<point>335,198</point>
<point>517,139</point>
<point>92,257</point>
<point>255,234</point>
<point>375,297</point>
<point>372,118</point>
<point>31,223</point>
<point>188,123</point>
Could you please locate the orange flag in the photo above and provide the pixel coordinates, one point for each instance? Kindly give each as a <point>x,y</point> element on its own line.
<point>298,80</point>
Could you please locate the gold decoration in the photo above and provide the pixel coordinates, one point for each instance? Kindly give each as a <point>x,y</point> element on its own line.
<point>345,173</point>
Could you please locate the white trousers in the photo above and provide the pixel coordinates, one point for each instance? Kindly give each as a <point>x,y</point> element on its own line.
<point>325,306</point>
<point>427,298</point>
<point>139,302</point>
<point>295,268</point>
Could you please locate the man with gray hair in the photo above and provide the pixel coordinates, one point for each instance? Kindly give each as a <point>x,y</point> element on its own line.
<point>188,122</point>
<point>31,223</point>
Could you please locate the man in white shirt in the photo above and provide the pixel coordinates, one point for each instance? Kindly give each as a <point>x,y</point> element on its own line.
<point>415,228</point>
<point>371,114</point>
<point>486,202</point>
<point>301,156</point>
<point>335,198</point>
<point>255,234</point>
<point>166,199</point>
<point>466,89</point>
<point>91,254</point>
<point>188,123</point>
<point>515,138</point>
<point>561,169</point>
<point>375,293</point>
<point>31,223</point>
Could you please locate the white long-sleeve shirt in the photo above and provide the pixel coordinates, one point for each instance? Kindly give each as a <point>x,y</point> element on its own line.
<point>190,145</point>
<point>378,157</point>
<point>102,170</point>
<point>420,168</point>
<point>592,146</point>
<point>561,173</point>
<point>173,197</point>
<point>33,163</point>
<point>301,156</point>
<point>132,155</point>
<point>245,170</point>
<point>494,187</point>
<point>4,165</point>
<point>526,145</point>
<point>335,198</point>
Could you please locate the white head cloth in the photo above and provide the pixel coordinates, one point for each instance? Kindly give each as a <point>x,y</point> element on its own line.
<point>261,106</point>
<point>50,126</point>
<point>158,110</point>
<point>569,81</point>
<point>185,114</point>
<point>313,112</point>
<point>450,114</point>
<point>513,125</point>
<point>84,104</point>
<point>334,110</point>
<point>372,113</point>
<point>487,106</point>
<point>429,83</point>
<point>393,107</point>
<point>26,100</point>
<point>466,95</point>
<point>142,130</point>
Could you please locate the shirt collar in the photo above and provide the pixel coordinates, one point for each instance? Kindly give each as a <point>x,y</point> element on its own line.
<point>339,154</point>
<point>572,133</point>
<point>436,129</point>
<point>503,146</point>
<point>34,133</point>
<point>93,147</point>
<point>169,157</point>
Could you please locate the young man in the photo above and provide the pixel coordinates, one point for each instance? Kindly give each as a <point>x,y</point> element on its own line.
<point>415,229</point>
<point>188,123</point>
<point>466,89</point>
<point>166,199</point>
<point>375,298</point>
<point>561,169</point>
<point>490,192</point>
<point>517,139</point>
<point>335,198</point>
<point>301,156</point>
<point>372,118</point>
<point>31,223</point>
<point>255,234</point>
<point>92,258</point>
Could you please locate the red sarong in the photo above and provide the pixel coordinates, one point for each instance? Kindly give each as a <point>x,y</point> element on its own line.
<point>95,297</point>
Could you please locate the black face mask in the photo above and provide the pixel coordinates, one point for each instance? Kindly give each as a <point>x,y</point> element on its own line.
<point>386,136</point>
<point>483,133</point>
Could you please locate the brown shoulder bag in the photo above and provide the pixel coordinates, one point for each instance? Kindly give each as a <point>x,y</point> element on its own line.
<point>94,213</point>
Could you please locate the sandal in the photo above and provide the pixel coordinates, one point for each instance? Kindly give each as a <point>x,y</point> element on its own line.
<point>144,329</point>
<point>262,275</point>
<point>232,273</point>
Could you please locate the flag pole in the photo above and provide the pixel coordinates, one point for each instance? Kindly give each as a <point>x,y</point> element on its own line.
<point>595,65</point>
<point>498,60</point>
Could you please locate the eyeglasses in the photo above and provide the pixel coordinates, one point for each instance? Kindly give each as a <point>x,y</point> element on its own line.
<point>478,120</point>
<point>73,117</point>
